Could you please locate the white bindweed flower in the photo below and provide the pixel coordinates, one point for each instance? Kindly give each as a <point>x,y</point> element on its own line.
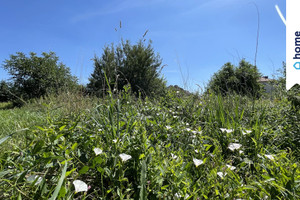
<point>271,157</point>
<point>125,157</point>
<point>234,146</point>
<point>32,178</point>
<point>246,132</point>
<point>173,156</point>
<point>197,162</point>
<point>168,127</point>
<point>97,151</point>
<point>80,186</point>
<point>221,174</point>
<point>226,130</point>
<point>231,167</point>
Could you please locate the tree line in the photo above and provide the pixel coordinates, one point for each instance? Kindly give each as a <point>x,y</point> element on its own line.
<point>136,65</point>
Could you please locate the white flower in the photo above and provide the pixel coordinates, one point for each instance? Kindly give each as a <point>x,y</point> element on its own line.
<point>100,129</point>
<point>115,140</point>
<point>226,130</point>
<point>221,174</point>
<point>271,157</point>
<point>125,157</point>
<point>97,151</point>
<point>80,186</point>
<point>188,129</point>
<point>197,162</point>
<point>234,146</point>
<point>168,127</point>
<point>196,150</point>
<point>231,167</point>
<point>246,132</point>
<point>187,124</point>
<point>32,178</point>
<point>173,156</point>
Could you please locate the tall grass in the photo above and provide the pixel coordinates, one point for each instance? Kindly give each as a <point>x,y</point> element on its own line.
<point>175,147</point>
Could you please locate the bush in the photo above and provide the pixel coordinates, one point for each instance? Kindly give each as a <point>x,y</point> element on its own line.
<point>35,76</point>
<point>241,80</point>
<point>137,65</point>
<point>4,91</point>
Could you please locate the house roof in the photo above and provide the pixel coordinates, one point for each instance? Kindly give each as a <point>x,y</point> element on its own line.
<point>264,79</point>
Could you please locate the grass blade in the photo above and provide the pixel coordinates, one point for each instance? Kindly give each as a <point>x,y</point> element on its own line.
<point>60,182</point>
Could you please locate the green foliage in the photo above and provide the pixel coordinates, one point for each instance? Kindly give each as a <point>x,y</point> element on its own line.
<point>4,91</point>
<point>137,65</point>
<point>177,147</point>
<point>242,80</point>
<point>35,76</point>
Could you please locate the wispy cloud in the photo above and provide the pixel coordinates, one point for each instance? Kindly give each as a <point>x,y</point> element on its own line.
<point>111,8</point>
<point>211,4</point>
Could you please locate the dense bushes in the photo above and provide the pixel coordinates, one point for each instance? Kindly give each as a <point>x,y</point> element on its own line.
<point>137,65</point>
<point>36,76</point>
<point>242,80</point>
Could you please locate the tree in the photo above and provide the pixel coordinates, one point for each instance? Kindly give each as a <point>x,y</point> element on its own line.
<point>242,80</point>
<point>137,65</point>
<point>35,76</point>
<point>4,91</point>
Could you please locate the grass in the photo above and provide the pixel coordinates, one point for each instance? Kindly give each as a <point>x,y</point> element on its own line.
<point>175,147</point>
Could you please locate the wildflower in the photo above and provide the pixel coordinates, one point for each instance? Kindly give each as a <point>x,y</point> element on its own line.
<point>246,132</point>
<point>234,146</point>
<point>231,167</point>
<point>97,151</point>
<point>115,140</point>
<point>125,157</point>
<point>221,174</point>
<point>80,186</point>
<point>197,162</point>
<point>173,156</point>
<point>188,129</point>
<point>226,130</point>
<point>32,178</point>
<point>271,157</point>
<point>168,127</point>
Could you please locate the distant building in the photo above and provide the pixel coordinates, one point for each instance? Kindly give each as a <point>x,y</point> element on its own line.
<point>267,83</point>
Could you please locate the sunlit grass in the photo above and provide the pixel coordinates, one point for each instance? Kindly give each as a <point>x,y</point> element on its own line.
<point>122,147</point>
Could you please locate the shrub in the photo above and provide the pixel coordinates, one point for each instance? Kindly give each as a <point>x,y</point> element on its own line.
<point>35,76</point>
<point>241,80</point>
<point>137,65</point>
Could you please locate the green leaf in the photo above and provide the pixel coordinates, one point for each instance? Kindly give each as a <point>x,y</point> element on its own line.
<point>60,182</point>
<point>83,170</point>
<point>38,146</point>
<point>4,139</point>
<point>62,127</point>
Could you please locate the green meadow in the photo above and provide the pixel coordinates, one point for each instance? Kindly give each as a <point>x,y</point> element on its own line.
<point>179,146</point>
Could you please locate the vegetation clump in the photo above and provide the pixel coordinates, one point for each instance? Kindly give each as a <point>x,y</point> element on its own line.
<point>242,80</point>
<point>34,76</point>
<point>136,65</point>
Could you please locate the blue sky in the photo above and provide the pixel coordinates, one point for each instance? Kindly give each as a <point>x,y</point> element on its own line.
<point>193,37</point>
